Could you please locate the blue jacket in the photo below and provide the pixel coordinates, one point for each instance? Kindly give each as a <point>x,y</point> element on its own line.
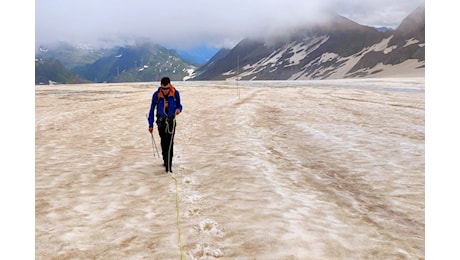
<point>158,101</point>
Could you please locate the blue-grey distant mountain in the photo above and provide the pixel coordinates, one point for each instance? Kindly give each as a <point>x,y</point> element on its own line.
<point>198,55</point>
<point>209,66</point>
<point>383,29</point>
<point>338,49</point>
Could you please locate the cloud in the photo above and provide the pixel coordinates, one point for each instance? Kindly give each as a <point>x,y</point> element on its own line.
<point>184,24</point>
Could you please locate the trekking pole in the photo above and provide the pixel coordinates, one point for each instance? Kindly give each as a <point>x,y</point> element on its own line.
<point>153,143</point>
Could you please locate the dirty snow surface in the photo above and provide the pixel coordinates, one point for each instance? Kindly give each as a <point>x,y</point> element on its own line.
<point>331,169</point>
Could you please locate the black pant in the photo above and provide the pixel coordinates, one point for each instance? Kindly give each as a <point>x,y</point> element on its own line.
<point>166,130</point>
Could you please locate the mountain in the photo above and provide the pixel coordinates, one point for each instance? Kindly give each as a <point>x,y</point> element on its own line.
<point>199,55</point>
<point>136,63</point>
<point>340,48</point>
<point>383,29</point>
<point>140,63</point>
<point>405,45</point>
<point>51,71</point>
<point>210,64</point>
<point>71,55</point>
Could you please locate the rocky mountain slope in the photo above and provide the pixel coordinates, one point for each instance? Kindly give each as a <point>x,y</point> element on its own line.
<point>338,49</point>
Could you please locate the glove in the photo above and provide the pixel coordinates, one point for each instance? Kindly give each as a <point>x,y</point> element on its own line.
<point>150,129</point>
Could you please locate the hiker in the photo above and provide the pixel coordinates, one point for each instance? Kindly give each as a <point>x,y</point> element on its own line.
<point>167,101</point>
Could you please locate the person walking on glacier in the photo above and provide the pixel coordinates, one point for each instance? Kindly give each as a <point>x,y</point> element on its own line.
<point>166,100</point>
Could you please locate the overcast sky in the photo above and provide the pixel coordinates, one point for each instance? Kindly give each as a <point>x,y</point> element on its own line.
<point>185,24</point>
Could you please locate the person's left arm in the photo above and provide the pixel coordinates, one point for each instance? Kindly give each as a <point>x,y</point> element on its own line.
<point>178,103</point>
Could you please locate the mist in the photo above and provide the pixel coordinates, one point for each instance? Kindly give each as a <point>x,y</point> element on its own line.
<point>186,24</point>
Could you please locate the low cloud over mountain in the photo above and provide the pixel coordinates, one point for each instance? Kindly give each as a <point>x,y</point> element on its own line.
<point>340,48</point>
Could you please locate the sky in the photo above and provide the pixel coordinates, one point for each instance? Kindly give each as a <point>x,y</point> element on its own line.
<point>187,24</point>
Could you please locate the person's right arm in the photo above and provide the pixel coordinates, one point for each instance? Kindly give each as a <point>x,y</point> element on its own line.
<point>151,117</point>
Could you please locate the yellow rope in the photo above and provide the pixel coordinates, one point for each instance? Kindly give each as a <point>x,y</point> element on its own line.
<point>178,220</point>
<point>177,192</point>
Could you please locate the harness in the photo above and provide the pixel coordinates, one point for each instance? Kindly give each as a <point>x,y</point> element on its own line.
<point>169,121</point>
